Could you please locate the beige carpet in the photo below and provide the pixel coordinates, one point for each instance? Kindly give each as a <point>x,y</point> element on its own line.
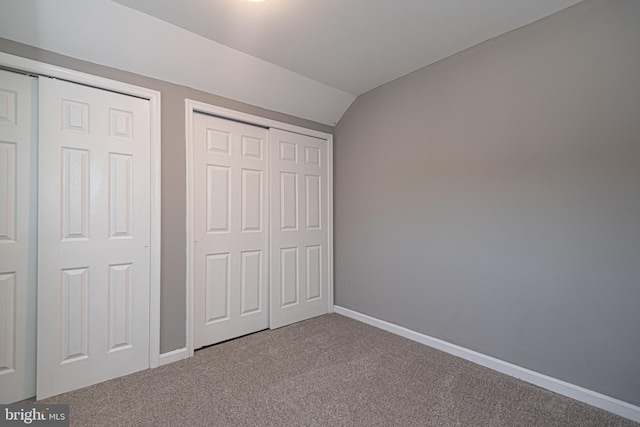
<point>327,371</point>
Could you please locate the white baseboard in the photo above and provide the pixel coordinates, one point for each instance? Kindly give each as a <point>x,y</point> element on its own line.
<point>173,356</point>
<point>561,387</point>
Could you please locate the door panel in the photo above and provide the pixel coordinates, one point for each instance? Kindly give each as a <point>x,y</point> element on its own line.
<point>231,237</point>
<point>94,217</point>
<point>299,231</point>
<point>18,208</point>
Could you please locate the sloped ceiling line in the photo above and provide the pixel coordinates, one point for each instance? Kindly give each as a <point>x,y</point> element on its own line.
<point>305,58</point>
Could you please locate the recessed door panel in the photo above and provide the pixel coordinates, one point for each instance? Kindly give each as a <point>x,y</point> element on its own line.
<point>288,152</point>
<point>252,189</point>
<point>120,308</point>
<point>313,206</point>
<point>217,288</point>
<point>120,123</point>
<point>218,141</point>
<point>289,200</point>
<point>75,194</point>
<point>8,100</point>
<point>120,195</point>
<point>7,322</point>
<point>75,116</point>
<point>252,147</point>
<point>8,207</point>
<point>289,277</point>
<point>251,283</point>
<point>74,309</point>
<point>314,272</point>
<point>312,156</point>
<point>218,198</point>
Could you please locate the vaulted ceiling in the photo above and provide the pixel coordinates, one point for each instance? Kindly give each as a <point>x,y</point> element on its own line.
<point>283,55</point>
<point>351,45</point>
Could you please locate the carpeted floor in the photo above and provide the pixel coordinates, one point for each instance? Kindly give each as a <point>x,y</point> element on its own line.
<point>327,371</point>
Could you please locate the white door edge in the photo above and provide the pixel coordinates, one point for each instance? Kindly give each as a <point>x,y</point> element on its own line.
<point>330,219</point>
<point>192,107</point>
<point>41,68</point>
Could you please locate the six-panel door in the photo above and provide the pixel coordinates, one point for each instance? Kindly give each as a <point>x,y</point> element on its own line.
<point>231,229</point>
<point>299,227</point>
<point>93,236</point>
<point>18,188</point>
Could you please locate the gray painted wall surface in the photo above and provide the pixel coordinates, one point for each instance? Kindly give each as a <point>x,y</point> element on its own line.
<point>492,200</point>
<point>173,179</point>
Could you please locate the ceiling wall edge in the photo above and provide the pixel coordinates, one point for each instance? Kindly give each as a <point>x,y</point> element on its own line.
<point>107,33</point>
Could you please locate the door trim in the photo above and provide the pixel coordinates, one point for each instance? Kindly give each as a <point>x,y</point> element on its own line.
<point>42,69</point>
<point>192,107</point>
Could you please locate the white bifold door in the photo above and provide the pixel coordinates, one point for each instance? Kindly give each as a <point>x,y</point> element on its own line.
<point>93,236</point>
<point>18,215</point>
<point>231,247</point>
<point>260,228</point>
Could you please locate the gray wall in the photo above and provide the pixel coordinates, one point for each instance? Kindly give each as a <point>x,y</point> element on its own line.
<point>173,180</point>
<point>492,200</point>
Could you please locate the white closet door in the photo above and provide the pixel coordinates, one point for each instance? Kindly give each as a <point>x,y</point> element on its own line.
<point>230,229</point>
<point>18,189</point>
<point>299,227</point>
<point>93,236</point>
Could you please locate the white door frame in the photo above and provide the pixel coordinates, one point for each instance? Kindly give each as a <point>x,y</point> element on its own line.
<point>40,68</point>
<point>192,107</point>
